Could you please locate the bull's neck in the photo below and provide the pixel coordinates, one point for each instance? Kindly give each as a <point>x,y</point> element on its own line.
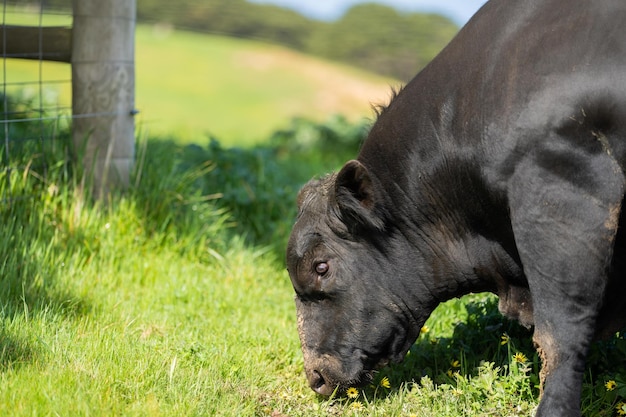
<point>454,228</point>
<point>438,266</point>
<point>455,235</point>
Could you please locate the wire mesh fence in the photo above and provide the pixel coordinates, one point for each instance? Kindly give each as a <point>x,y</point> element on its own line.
<point>35,102</point>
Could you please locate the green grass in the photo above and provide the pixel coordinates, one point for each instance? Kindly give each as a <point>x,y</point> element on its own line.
<point>118,311</point>
<point>124,310</point>
<point>237,90</point>
<point>149,306</point>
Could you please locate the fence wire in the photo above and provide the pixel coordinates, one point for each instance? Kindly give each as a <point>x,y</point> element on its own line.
<point>35,100</point>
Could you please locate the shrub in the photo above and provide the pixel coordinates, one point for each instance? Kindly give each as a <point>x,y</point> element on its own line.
<point>258,185</point>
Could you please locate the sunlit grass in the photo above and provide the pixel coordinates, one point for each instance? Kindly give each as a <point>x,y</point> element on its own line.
<point>146,306</point>
<point>107,312</point>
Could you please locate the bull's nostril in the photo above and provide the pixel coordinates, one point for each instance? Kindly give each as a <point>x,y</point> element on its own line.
<point>317,380</point>
<point>318,384</point>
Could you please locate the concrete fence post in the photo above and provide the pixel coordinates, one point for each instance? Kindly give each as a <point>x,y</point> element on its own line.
<point>103,91</point>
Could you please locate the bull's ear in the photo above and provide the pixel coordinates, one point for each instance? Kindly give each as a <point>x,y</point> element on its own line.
<point>357,196</point>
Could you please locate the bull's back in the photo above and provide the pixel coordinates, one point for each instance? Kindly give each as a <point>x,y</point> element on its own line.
<point>516,71</point>
<point>550,72</point>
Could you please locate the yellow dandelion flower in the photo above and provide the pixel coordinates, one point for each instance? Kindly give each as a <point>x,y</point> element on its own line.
<point>519,357</point>
<point>610,385</point>
<point>357,405</point>
<point>504,339</point>
<point>352,392</point>
<point>385,382</point>
<point>455,364</point>
<point>450,373</point>
<point>424,330</point>
<point>621,408</point>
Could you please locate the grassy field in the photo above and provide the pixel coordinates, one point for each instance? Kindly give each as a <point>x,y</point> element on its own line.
<point>148,307</point>
<point>152,305</point>
<point>240,89</point>
<point>237,90</point>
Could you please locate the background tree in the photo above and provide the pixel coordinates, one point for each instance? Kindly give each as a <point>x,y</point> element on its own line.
<point>382,40</point>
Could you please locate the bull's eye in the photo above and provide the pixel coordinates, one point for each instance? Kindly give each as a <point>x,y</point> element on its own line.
<point>321,268</point>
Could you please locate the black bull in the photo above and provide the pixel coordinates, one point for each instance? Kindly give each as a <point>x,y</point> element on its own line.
<point>499,167</point>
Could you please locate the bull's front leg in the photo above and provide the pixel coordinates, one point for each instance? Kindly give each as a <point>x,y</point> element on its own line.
<point>564,230</point>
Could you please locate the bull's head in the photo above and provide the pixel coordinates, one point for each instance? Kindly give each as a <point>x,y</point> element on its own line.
<point>347,264</point>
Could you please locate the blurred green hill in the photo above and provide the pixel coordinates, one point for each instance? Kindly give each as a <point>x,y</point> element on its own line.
<point>191,84</point>
<point>241,90</point>
<point>370,36</point>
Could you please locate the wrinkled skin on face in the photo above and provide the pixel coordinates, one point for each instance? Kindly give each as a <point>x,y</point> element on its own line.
<point>350,320</point>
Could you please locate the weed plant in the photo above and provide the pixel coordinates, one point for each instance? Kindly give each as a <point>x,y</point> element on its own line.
<point>257,185</point>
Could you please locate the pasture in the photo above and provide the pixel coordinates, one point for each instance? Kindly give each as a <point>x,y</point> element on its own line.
<point>172,299</point>
<point>149,306</point>
<point>157,304</point>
